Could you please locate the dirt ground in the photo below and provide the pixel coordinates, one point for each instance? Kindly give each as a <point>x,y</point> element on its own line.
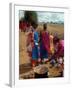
<point>23,55</point>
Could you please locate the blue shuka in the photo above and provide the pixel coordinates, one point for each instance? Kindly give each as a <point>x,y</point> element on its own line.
<point>35,51</point>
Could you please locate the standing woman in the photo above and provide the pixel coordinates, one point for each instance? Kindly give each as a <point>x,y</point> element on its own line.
<point>51,44</point>
<point>44,44</point>
<point>35,50</point>
<point>29,42</point>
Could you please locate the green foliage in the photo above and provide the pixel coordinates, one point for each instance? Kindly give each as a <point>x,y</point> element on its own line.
<point>31,17</point>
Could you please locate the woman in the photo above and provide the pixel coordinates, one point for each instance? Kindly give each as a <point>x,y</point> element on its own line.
<point>51,44</point>
<point>59,49</point>
<point>29,43</point>
<point>44,44</point>
<point>35,50</point>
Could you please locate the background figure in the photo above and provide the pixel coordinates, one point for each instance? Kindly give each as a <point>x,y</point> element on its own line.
<point>29,42</point>
<point>22,25</point>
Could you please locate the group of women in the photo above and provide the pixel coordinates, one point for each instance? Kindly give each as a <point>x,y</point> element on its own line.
<point>43,47</point>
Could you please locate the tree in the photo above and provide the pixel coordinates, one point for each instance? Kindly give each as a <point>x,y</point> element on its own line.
<point>30,17</point>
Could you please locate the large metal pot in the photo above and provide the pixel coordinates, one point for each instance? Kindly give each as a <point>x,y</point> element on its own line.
<point>41,71</point>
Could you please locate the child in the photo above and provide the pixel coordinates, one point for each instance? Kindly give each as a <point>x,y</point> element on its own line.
<point>44,44</point>
<point>60,64</point>
<point>52,61</point>
<point>29,26</point>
